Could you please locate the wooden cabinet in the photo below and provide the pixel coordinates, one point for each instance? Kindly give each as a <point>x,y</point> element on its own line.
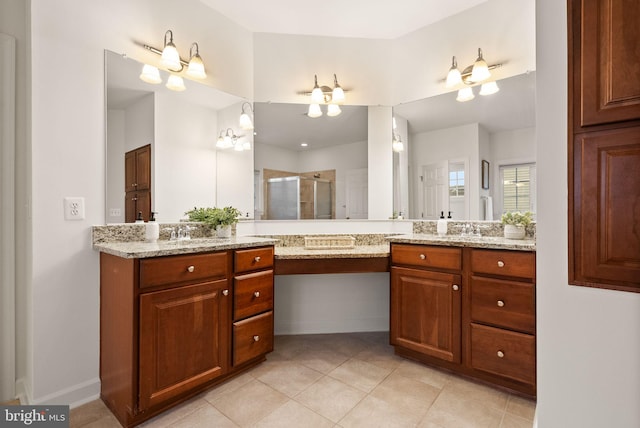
<point>253,304</point>
<point>137,187</point>
<point>175,325</point>
<point>502,315</point>
<point>468,310</point>
<point>604,144</point>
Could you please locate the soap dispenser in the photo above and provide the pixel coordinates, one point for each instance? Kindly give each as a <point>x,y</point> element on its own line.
<point>442,225</point>
<point>152,229</point>
<point>139,219</point>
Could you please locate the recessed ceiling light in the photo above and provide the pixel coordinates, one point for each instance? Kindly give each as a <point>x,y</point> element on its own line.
<point>303,144</point>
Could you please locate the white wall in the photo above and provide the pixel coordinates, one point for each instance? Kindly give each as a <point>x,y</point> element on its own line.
<point>68,39</point>
<point>380,162</point>
<point>588,340</point>
<point>185,143</point>
<point>115,164</point>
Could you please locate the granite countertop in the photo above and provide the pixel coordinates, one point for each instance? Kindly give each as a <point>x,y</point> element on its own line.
<point>359,251</point>
<point>141,250</point>
<point>492,242</point>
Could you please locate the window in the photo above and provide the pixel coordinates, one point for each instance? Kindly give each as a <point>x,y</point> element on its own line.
<point>456,180</point>
<point>518,187</point>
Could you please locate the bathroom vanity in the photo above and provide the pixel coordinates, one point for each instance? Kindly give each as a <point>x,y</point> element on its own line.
<point>176,318</point>
<point>467,306</point>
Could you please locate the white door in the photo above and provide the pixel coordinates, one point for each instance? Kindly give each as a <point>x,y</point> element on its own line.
<point>357,189</point>
<point>435,190</point>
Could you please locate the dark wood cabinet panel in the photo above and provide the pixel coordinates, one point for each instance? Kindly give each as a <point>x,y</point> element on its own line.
<point>181,347</point>
<point>425,312</point>
<point>137,172</point>
<point>604,141</point>
<point>609,68</point>
<point>502,303</point>
<point>606,215</point>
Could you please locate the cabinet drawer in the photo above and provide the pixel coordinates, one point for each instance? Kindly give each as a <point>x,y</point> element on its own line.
<point>508,263</point>
<point>253,259</point>
<point>182,269</point>
<point>252,337</point>
<point>503,303</point>
<point>253,293</point>
<point>427,256</point>
<point>504,353</point>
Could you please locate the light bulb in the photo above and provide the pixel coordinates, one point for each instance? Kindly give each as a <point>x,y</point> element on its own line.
<point>317,96</point>
<point>245,122</point>
<point>489,88</point>
<point>333,110</point>
<point>337,95</point>
<point>196,68</point>
<point>480,69</point>
<point>454,77</point>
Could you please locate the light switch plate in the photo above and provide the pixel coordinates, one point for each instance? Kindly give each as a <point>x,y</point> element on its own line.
<point>74,208</point>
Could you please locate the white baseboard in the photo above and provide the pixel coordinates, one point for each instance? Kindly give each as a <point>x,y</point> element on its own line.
<point>74,396</point>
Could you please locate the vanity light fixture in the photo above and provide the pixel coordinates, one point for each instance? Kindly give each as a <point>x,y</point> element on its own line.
<point>171,61</point>
<point>228,139</point>
<point>478,72</point>
<point>325,95</point>
<point>246,123</point>
<point>397,145</point>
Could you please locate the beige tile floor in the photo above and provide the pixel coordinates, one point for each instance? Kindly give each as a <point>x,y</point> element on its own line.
<point>337,380</point>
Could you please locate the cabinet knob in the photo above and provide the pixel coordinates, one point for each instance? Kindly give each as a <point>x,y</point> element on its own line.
<point>225,292</point>
<point>256,338</point>
<point>500,303</point>
<point>455,287</point>
<point>256,259</point>
<point>422,257</point>
<point>256,294</point>
<point>500,263</point>
<point>134,199</point>
<point>191,268</point>
<point>500,354</point>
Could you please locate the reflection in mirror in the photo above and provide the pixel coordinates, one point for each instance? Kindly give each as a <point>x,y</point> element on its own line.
<point>161,147</point>
<point>310,168</point>
<point>446,142</point>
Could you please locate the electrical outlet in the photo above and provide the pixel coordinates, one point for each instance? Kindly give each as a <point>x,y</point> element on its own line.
<point>115,212</point>
<point>74,208</point>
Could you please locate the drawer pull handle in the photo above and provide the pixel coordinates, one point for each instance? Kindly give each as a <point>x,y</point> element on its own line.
<point>191,268</point>
<point>500,354</point>
<point>500,263</point>
<point>256,338</point>
<point>225,292</point>
<point>256,294</point>
<point>455,287</point>
<point>256,259</point>
<point>422,257</point>
<point>500,303</point>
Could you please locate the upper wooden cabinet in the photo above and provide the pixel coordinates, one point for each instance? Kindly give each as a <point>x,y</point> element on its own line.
<point>604,144</point>
<point>609,65</point>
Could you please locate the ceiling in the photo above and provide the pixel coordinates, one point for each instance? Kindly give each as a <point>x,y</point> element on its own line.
<point>372,19</point>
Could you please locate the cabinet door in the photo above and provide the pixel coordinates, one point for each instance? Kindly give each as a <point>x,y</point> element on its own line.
<point>609,68</point>
<point>143,168</point>
<point>425,312</point>
<point>130,180</point>
<point>183,339</point>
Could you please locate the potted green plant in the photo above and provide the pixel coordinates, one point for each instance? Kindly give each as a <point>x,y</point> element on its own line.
<point>515,223</point>
<point>220,219</point>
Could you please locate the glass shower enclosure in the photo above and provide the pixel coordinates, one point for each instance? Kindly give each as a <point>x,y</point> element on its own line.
<point>295,198</point>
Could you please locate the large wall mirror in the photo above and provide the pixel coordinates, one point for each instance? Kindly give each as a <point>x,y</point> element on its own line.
<point>310,168</point>
<point>161,147</point>
<point>475,159</point>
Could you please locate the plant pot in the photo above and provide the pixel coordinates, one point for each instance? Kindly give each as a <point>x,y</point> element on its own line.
<point>223,231</point>
<point>512,231</point>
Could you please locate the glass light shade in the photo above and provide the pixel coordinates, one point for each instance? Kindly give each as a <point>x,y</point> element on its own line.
<point>238,146</point>
<point>227,141</point>
<point>150,74</point>
<point>175,83</point>
<point>314,111</point>
<point>337,96</point>
<point>317,97</point>
<point>246,145</point>
<point>245,122</point>
<point>480,70</point>
<point>489,88</point>
<point>171,57</point>
<point>465,94</point>
<point>220,143</point>
<point>454,77</point>
<point>397,145</point>
<point>196,68</point>
<point>333,110</point>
